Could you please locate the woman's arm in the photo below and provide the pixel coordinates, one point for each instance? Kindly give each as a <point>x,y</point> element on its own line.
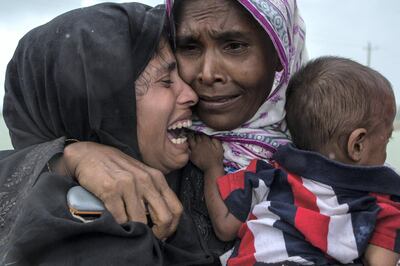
<point>125,185</point>
<point>207,154</point>
<point>45,233</point>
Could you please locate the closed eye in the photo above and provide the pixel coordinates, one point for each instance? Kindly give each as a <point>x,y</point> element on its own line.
<point>167,83</point>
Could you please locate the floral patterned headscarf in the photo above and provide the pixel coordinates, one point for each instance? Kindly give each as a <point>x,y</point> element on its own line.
<point>259,137</point>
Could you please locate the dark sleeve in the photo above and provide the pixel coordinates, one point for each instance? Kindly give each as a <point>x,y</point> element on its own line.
<point>47,234</point>
<point>243,189</point>
<point>198,234</point>
<point>37,228</point>
<point>19,170</point>
<point>41,230</point>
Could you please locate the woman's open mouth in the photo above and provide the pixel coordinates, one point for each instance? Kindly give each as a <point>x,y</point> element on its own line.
<point>217,102</point>
<point>177,132</point>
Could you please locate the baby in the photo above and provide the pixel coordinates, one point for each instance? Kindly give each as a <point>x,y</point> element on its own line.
<point>327,198</point>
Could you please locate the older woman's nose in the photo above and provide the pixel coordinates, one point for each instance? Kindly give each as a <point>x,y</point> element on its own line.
<point>210,70</point>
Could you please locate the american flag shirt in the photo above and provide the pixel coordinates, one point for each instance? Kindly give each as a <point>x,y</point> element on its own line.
<point>307,209</point>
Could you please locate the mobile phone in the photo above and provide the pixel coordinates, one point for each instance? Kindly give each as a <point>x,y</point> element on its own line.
<point>83,204</point>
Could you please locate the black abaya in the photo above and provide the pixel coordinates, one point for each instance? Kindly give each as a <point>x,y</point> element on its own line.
<point>74,78</point>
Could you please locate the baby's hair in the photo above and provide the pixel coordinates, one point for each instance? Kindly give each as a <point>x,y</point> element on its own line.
<point>329,97</point>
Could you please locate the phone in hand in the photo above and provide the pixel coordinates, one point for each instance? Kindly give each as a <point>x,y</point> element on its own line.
<point>83,204</point>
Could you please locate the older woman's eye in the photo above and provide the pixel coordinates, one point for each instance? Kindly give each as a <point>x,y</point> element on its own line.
<point>188,49</point>
<point>236,47</point>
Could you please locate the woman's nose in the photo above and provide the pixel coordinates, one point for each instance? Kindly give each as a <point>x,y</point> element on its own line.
<point>210,70</point>
<point>187,96</point>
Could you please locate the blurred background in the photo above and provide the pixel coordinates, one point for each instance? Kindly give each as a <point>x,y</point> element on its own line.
<point>365,31</point>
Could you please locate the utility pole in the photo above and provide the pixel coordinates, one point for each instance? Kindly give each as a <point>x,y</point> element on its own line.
<point>369,49</point>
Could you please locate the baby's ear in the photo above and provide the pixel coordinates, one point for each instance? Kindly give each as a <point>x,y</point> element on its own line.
<point>356,144</point>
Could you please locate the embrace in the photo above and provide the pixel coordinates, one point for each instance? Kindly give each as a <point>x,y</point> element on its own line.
<point>206,134</point>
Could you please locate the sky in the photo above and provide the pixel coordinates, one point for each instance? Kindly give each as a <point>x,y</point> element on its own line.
<point>334,27</point>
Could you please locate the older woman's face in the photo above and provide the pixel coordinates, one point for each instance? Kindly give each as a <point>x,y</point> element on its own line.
<point>163,109</point>
<point>227,58</point>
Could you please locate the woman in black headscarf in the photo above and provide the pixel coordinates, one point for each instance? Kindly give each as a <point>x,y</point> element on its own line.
<point>103,74</point>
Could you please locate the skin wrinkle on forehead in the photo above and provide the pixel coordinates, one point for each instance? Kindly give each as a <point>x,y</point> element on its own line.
<point>209,12</point>
<point>212,46</point>
<point>210,16</point>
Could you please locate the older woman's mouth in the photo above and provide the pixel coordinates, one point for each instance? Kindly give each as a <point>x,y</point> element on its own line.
<point>177,132</point>
<point>217,102</point>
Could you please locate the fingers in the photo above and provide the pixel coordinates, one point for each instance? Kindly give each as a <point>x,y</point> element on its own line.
<point>152,188</point>
<point>176,209</point>
<point>202,139</point>
<point>217,144</point>
<point>168,224</point>
<point>135,187</point>
<point>197,140</point>
<point>165,208</point>
<point>192,141</point>
<point>160,216</point>
<point>115,206</point>
<point>134,206</point>
<point>165,223</point>
<point>124,184</point>
<point>117,190</point>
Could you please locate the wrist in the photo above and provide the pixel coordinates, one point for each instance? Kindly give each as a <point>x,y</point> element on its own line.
<point>214,172</point>
<point>71,156</point>
<point>57,165</point>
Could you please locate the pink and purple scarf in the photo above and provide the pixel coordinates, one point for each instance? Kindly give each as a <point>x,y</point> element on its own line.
<point>259,137</point>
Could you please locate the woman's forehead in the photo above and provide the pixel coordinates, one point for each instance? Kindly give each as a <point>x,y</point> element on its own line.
<point>163,62</point>
<point>213,17</point>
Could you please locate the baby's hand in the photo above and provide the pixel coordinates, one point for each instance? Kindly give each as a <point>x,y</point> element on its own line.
<point>206,153</point>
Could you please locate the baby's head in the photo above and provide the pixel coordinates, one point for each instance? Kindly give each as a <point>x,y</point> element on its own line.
<point>341,109</point>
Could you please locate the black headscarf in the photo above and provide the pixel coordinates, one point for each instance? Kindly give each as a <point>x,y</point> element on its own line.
<point>74,76</point>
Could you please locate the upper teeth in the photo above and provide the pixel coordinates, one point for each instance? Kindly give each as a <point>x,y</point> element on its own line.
<point>181,124</point>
